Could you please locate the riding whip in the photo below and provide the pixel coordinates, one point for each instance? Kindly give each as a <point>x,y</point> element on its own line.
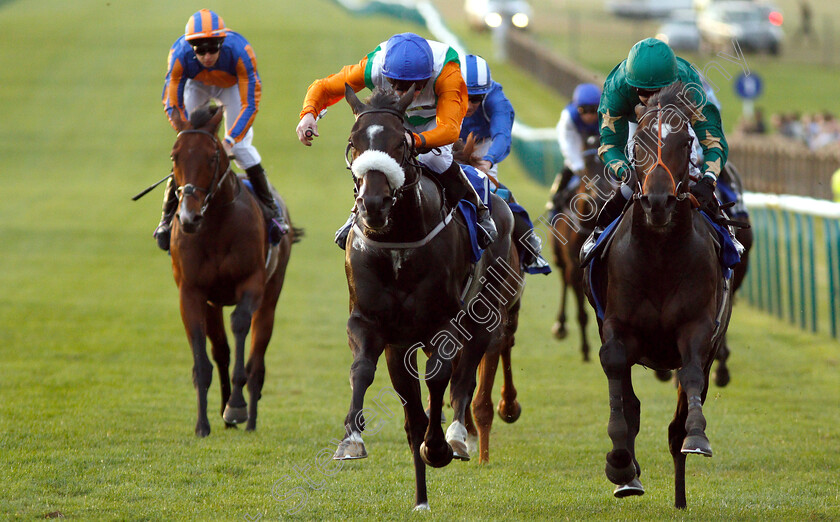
<point>140,195</point>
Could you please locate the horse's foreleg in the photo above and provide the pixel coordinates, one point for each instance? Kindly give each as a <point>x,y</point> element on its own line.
<point>632,415</point>
<point>220,350</point>
<point>435,450</point>
<point>262,326</point>
<point>236,410</point>
<point>582,316</point>
<point>463,386</point>
<point>559,328</point>
<point>367,345</point>
<point>482,404</point>
<point>509,408</point>
<point>192,314</point>
<point>620,468</point>
<point>676,437</point>
<point>407,387</point>
<point>694,346</point>
<point>722,370</point>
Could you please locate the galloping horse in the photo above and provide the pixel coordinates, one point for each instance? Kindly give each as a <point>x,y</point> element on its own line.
<point>220,257</point>
<point>480,421</point>
<point>413,287</point>
<point>570,228</point>
<point>666,303</point>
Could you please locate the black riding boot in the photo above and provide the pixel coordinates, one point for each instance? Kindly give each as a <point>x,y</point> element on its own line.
<point>609,212</point>
<point>342,233</point>
<point>170,205</point>
<point>559,195</point>
<point>276,222</point>
<point>458,187</point>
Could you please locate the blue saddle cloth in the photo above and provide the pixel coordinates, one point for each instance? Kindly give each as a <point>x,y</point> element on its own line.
<point>728,195</point>
<point>728,257</point>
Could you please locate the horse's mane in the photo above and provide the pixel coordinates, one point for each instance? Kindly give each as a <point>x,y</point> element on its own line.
<point>382,99</point>
<point>200,117</point>
<point>674,95</point>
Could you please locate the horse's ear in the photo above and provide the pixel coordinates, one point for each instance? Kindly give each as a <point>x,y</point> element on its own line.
<point>177,122</point>
<point>640,109</point>
<point>216,119</point>
<point>406,99</point>
<point>356,105</point>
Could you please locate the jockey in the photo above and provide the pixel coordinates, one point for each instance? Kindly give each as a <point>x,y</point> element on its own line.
<point>489,119</point>
<point>578,122</point>
<point>489,115</point>
<point>211,62</point>
<point>433,119</point>
<point>650,66</point>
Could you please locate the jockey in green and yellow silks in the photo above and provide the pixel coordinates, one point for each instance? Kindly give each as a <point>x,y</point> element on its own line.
<point>650,66</point>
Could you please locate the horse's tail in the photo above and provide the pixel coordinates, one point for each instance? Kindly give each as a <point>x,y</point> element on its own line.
<point>298,234</point>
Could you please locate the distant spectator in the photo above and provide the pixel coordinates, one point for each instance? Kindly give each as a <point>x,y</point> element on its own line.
<point>754,124</point>
<point>806,29</point>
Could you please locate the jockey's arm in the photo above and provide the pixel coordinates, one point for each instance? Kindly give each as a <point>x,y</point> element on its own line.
<point>450,111</point>
<point>709,132</point>
<point>614,132</point>
<point>250,92</point>
<point>571,144</point>
<point>330,90</point>
<point>173,88</point>
<point>501,122</point>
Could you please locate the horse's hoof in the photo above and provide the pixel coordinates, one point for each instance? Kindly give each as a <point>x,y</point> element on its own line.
<point>422,507</point>
<point>436,459</point>
<point>230,426</point>
<point>559,331</point>
<point>697,444</point>
<point>350,450</point>
<point>459,450</point>
<point>721,378</point>
<point>202,430</point>
<point>620,468</point>
<point>507,415</point>
<point>235,415</point>
<point>634,487</point>
<point>663,375</point>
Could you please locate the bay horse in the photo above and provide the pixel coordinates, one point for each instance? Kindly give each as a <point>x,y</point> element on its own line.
<point>220,257</point>
<point>666,303</point>
<point>480,421</point>
<point>413,287</point>
<point>569,230</point>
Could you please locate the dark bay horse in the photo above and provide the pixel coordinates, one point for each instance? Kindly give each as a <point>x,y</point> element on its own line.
<point>480,420</point>
<point>413,287</point>
<point>569,231</point>
<point>220,257</point>
<point>666,301</point>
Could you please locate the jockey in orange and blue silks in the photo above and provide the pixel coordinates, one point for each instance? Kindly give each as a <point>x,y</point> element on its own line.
<point>212,63</point>
<point>433,119</point>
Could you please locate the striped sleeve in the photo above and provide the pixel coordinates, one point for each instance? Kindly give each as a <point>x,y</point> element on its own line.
<point>250,90</point>
<point>173,87</point>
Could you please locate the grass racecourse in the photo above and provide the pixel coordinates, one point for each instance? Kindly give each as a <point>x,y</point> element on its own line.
<point>98,408</point>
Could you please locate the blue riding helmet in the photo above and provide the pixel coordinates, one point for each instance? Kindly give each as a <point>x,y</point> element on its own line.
<point>477,75</point>
<point>409,58</point>
<point>586,94</point>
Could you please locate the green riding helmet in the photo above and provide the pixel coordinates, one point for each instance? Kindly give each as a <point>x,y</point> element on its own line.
<point>651,64</point>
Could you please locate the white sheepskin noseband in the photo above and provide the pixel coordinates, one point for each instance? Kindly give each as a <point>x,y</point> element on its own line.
<point>378,160</point>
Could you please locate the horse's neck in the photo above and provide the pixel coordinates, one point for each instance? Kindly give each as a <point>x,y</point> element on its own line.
<point>418,210</point>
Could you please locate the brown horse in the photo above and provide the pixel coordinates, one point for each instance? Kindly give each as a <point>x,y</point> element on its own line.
<point>220,257</point>
<point>666,303</point>
<point>413,287</point>
<point>569,230</point>
<point>480,420</point>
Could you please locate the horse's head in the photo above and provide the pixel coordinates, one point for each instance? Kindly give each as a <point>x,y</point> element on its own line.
<point>662,152</point>
<point>199,164</point>
<point>378,151</point>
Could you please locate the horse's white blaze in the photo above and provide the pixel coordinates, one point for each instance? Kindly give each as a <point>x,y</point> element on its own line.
<point>456,431</point>
<point>378,160</point>
<point>372,131</point>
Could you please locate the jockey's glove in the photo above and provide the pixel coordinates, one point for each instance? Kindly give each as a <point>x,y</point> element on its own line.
<point>704,192</point>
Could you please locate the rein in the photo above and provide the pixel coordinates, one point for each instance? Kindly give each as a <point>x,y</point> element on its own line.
<point>189,189</point>
<point>659,161</point>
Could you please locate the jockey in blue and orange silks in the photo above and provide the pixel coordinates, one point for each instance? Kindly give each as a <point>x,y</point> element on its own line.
<point>433,119</point>
<point>211,62</point>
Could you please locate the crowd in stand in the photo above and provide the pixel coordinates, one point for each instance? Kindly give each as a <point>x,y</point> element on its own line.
<point>816,130</point>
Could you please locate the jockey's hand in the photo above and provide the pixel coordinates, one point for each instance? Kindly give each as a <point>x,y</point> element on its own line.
<point>227,144</point>
<point>307,129</point>
<point>484,166</point>
<point>704,192</point>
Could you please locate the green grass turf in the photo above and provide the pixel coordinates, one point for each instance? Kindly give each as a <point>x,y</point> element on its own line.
<point>98,409</point>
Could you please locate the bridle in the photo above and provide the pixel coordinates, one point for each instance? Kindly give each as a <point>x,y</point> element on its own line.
<point>408,159</point>
<point>189,189</point>
<point>659,162</point>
